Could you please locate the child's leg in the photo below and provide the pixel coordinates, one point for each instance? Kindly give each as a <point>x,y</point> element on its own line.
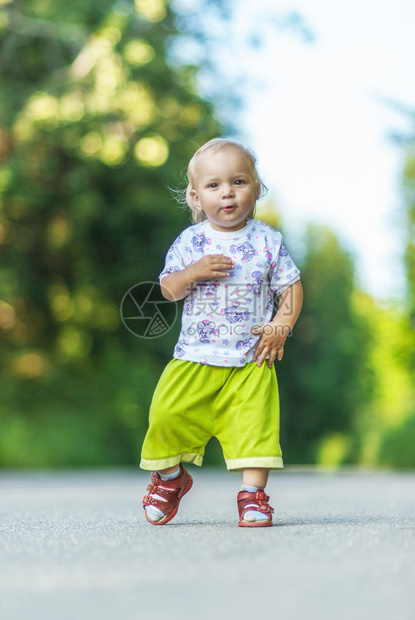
<point>255,477</point>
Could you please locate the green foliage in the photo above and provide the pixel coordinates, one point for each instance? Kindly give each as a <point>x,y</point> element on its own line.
<point>320,376</point>
<point>395,442</point>
<point>95,126</point>
<point>409,189</point>
<point>397,448</point>
<point>90,415</point>
<point>388,370</point>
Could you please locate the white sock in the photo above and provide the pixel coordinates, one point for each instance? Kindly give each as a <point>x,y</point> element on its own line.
<point>154,513</point>
<point>253,515</point>
<point>247,487</point>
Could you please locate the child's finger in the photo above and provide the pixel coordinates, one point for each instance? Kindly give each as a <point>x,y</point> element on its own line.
<point>223,265</point>
<point>257,352</point>
<point>260,354</point>
<point>218,258</point>
<point>220,274</point>
<point>276,354</point>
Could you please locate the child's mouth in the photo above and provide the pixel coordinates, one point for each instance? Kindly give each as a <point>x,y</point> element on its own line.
<point>229,208</point>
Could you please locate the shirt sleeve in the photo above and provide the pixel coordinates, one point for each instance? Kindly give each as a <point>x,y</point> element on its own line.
<point>175,259</point>
<point>283,272</point>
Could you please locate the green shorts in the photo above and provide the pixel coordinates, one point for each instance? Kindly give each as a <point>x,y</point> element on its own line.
<point>194,402</point>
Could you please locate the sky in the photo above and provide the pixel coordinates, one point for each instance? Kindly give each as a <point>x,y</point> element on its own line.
<point>320,118</point>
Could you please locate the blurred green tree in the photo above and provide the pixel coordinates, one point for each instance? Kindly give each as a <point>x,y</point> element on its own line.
<point>321,374</point>
<point>95,125</point>
<point>394,443</point>
<point>409,196</point>
<point>387,416</point>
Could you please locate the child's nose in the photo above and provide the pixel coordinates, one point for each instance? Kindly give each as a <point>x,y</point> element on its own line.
<point>228,191</point>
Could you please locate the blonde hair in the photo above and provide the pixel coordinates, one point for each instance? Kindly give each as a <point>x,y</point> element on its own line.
<point>213,146</point>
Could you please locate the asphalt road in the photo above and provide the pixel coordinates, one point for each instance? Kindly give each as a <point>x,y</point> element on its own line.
<point>76,546</point>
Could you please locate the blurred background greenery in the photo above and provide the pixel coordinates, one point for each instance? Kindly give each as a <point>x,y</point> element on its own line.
<point>98,118</point>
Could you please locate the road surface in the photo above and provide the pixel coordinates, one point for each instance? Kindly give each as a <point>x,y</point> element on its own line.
<point>76,546</point>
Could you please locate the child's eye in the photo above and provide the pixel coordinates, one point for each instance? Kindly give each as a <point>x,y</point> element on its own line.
<point>213,185</point>
<point>239,182</point>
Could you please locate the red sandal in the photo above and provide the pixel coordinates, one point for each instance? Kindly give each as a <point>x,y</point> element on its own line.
<point>169,493</point>
<point>257,501</point>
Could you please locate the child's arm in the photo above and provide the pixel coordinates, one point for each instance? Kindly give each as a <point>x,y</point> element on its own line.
<point>177,285</point>
<point>274,333</point>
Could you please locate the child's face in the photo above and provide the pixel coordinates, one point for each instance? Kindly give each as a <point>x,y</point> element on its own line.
<point>225,189</point>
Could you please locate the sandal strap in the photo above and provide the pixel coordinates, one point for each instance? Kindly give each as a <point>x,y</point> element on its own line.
<point>257,501</point>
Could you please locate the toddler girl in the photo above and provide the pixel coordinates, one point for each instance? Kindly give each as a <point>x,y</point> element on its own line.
<point>221,381</point>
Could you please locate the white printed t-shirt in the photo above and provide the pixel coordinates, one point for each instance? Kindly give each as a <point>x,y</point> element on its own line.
<point>218,315</point>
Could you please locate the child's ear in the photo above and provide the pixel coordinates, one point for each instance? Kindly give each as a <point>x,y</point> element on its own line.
<point>195,199</point>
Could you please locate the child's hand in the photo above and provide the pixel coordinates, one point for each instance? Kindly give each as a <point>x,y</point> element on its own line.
<point>271,343</point>
<point>179,284</point>
<point>212,266</point>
